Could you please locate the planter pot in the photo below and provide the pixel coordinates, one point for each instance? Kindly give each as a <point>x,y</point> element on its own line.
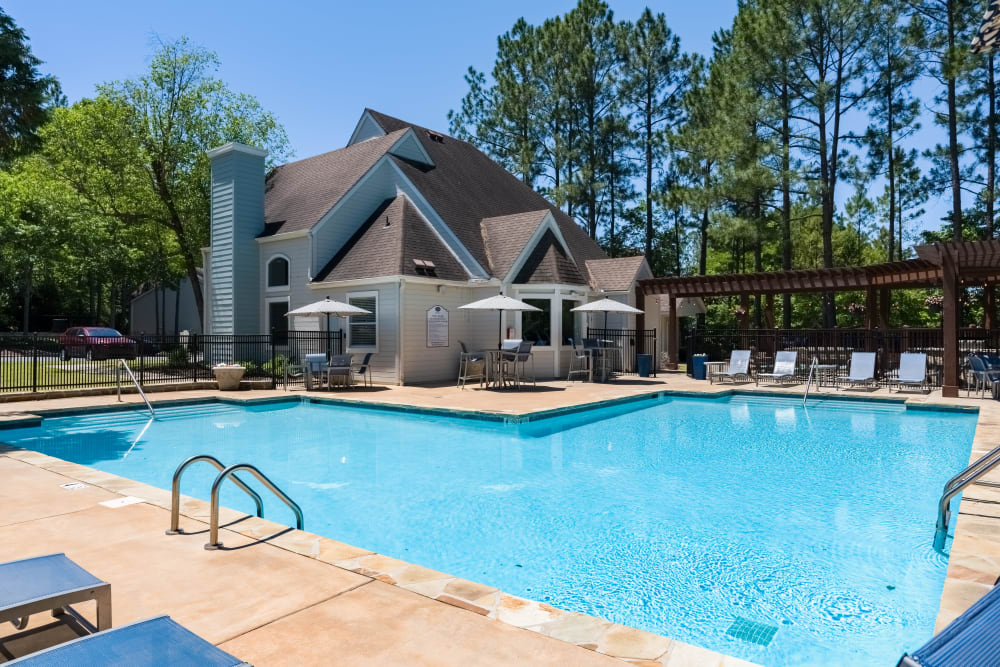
<point>229,377</point>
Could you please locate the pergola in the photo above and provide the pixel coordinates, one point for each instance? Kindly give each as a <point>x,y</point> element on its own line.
<point>950,266</point>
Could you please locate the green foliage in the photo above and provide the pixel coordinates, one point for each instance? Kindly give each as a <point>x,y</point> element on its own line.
<point>177,358</point>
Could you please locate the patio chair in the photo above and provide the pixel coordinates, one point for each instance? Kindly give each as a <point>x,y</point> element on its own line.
<point>971,639</point>
<point>861,371</point>
<point>152,642</point>
<point>340,367</point>
<point>784,368</point>
<point>471,366</point>
<point>314,369</point>
<point>579,361</point>
<point>982,376</point>
<point>364,369</point>
<point>912,371</point>
<point>739,367</point>
<point>508,360</point>
<point>523,357</point>
<point>49,583</point>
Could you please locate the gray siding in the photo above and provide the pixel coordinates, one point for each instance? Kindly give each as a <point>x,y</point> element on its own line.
<point>298,292</point>
<point>237,219</point>
<point>143,311</point>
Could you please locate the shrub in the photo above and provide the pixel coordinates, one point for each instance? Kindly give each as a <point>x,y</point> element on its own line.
<point>177,357</point>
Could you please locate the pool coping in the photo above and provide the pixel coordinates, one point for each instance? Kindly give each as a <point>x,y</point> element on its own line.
<point>965,579</point>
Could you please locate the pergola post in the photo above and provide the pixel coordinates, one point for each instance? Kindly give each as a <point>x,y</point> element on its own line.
<point>871,308</point>
<point>884,301</point>
<point>640,319</point>
<point>989,306</point>
<point>672,333</point>
<point>949,324</point>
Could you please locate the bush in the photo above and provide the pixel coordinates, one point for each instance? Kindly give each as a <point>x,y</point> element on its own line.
<point>178,357</point>
<point>276,369</point>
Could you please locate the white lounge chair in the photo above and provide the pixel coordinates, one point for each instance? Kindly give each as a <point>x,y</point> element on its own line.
<point>912,371</point>
<point>739,367</point>
<point>861,371</point>
<point>784,368</point>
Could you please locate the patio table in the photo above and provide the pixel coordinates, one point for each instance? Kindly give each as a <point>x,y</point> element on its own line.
<point>494,366</point>
<point>602,356</point>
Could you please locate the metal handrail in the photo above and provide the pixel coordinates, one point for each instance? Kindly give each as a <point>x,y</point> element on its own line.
<point>214,542</point>
<point>809,379</point>
<point>128,370</point>
<point>955,485</point>
<point>175,491</point>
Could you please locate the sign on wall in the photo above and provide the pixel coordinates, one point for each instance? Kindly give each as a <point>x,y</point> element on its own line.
<point>437,327</point>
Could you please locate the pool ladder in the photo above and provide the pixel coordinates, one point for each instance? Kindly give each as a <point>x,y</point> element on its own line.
<point>812,368</point>
<point>955,485</point>
<point>124,364</point>
<point>224,474</point>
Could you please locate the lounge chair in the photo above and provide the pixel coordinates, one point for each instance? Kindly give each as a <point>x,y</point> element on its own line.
<point>983,377</point>
<point>971,639</point>
<point>784,368</point>
<point>364,369</point>
<point>912,371</point>
<point>471,366</point>
<point>49,583</point>
<point>861,370</point>
<point>153,642</point>
<point>739,367</point>
<point>340,367</point>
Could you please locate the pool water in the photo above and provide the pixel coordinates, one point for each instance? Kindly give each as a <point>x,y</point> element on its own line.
<point>746,525</point>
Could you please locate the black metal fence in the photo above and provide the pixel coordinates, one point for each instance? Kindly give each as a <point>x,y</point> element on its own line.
<point>41,362</point>
<point>626,339</point>
<point>834,346</point>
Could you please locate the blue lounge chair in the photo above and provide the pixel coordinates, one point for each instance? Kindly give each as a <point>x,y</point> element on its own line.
<point>784,368</point>
<point>49,583</point>
<point>738,368</point>
<point>861,371</point>
<point>971,639</point>
<point>153,642</point>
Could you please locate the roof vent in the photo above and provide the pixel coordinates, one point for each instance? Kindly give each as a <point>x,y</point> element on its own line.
<point>425,267</point>
<point>435,136</point>
<point>387,223</point>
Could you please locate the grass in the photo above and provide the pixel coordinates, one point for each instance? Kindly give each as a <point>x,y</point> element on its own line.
<point>53,373</point>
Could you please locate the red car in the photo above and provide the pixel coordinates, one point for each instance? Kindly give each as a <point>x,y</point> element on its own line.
<point>93,343</point>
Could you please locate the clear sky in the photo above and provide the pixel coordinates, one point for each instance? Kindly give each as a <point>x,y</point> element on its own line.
<point>317,65</point>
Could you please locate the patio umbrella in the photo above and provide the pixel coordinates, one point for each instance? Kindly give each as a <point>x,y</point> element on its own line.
<point>499,303</point>
<point>607,306</point>
<point>327,307</point>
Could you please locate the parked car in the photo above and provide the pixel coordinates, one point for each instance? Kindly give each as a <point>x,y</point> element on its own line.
<point>93,343</point>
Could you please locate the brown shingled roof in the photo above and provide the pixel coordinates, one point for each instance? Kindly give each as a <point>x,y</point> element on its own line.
<point>466,186</point>
<point>505,236</point>
<point>378,249</point>
<point>300,193</point>
<point>549,263</point>
<point>614,275</point>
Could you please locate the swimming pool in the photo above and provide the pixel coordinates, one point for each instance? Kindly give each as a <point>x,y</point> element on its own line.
<point>747,524</point>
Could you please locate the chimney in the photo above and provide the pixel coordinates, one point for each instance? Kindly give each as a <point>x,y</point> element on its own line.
<point>237,220</point>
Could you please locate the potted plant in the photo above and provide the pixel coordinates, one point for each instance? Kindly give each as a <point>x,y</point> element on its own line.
<point>934,303</point>
<point>856,310</point>
<point>228,376</point>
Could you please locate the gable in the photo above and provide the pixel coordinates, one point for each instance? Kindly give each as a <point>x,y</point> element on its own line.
<point>367,128</point>
<point>549,263</point>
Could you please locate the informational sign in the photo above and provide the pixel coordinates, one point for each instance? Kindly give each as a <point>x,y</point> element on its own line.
<point>437,327</point>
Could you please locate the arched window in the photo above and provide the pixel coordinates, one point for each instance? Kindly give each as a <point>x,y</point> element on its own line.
<point>277,272</point>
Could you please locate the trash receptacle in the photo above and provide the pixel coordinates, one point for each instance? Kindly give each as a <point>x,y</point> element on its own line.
<point>698,366</point>
<point>644,364</point>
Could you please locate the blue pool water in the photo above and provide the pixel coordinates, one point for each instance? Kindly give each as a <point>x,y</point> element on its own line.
<point>727,523</point>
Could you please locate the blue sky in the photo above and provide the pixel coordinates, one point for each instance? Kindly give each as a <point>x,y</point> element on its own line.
<point>317,65</point>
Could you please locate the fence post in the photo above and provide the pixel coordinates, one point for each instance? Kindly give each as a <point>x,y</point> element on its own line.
<point>193,358</point>
<point>274,368</point>
<point>34,362</point>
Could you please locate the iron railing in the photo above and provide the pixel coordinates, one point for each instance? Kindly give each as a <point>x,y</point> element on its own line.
<point>627,340</point>
<point>43,362</point>
<point>834,346</point>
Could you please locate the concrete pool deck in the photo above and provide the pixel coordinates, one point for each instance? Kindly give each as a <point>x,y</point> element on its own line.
<point>280,596</point>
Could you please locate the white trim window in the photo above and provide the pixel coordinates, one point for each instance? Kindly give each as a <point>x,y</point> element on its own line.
<point>276,273</point>
<point>362,330</point>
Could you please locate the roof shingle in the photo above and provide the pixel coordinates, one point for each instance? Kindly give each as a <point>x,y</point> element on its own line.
<point>614,275</point>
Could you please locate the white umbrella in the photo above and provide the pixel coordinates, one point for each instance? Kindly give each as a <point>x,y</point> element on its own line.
<point>327,307</point>
<point>499,303</point>
<point>607,306</point>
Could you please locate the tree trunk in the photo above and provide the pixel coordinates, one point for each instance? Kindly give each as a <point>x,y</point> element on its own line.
<point>956,183</point>
<point>649,174</point>
<point>786,201</point>
<point>892,160</point>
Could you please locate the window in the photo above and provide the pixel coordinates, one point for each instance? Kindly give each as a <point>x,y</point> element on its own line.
<point>571,323</point>
<point>277,272</point>
<point>362,330</point>
<point>277,323</point>
<point>536,325</point>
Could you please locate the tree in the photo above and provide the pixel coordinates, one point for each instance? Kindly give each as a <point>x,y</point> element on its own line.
<point>654,80</point>
<point>943,30</point>
<point>136,153</point>
<point>26,96</point>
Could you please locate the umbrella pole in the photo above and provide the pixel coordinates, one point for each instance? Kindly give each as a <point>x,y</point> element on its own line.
<point>499,329</point>
<point>328,336</point>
